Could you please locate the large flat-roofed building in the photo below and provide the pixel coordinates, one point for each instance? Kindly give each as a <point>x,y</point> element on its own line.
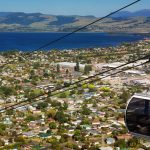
<point>70,65</point>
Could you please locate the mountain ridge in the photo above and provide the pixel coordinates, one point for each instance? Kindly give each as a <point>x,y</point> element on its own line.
<point>37,22</point>
<point>143,12</point>
<point>127,14</point>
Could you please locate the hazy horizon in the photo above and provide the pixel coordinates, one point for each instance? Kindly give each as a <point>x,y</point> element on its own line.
<point>96,8</point>
<point>64,15</point>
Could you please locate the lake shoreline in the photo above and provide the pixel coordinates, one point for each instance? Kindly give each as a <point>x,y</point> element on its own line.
<point>24,41</point>
<point>136,33</point>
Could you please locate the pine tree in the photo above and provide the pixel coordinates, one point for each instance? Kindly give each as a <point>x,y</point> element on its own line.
<point>77,67</point>
<point>58,68</point>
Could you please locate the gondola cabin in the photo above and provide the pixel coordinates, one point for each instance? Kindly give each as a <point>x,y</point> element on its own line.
<point>137,115</point>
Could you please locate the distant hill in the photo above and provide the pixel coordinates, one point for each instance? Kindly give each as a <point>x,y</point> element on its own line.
<point>4,14</point>
<point>127,14</point>
<point>37,22</point>
<point>29,18</point>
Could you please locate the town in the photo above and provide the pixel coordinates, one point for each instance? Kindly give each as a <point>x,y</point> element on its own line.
<point>55,115</point>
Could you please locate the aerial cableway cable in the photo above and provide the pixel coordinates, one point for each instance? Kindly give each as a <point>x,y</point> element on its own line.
<point>54,41</point>
<point>98,55</point>
<point>79,29</point>
<point>76,83</point>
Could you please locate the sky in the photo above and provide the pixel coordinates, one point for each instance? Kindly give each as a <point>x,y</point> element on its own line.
<point>97,8</point>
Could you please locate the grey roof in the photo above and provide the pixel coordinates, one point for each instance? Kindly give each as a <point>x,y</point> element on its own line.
<point>142,95</point>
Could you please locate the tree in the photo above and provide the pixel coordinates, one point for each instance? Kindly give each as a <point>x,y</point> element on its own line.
<point>19,139</point>
<point>65,106</point>
<point>30,118</point>
<point>33,93</point>
<point>46,74</point>
<point>85,121</point>
<point>124,96</point>
<point>66,84</point>
<point>55,144</point>
<point>51,113</point>
<point>134,142</point>
<point>91,87</point>
<point>7,91</point>
<point>61,117</point>
<point>58,68</point>
<point>78,136</point>
<point>86,111</point>
<point>69,144</point>
<point>87,69</point>
<point>135,89</point>
<point>77,67</point>
<point>56,104</point>
<point>36,65</point>
<point>52,125</point>
<point>49,132</point>
<point>42,105</point>
<point>67,71</point>
<point>32,72</point>
<point>2,128</point>
<point>120,143</point>
<point>85,86</point>
<point>63,95</point>
<point>64,138</point>
<point>105,89</point>
<point>61,129</point>
<point>9,112</point>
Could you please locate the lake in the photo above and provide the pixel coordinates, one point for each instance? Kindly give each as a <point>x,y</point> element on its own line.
<point>32,41</point>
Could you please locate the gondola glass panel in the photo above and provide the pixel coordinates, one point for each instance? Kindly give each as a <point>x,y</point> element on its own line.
<point>138,116</point>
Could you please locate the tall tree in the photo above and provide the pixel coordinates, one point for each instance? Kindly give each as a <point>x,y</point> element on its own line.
<point>77,67</point>
<point>58,68</point>
<point>67,71</point>
<point>87,69</point>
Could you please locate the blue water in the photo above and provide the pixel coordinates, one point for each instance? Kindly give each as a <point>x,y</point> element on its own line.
<point>32,41</point>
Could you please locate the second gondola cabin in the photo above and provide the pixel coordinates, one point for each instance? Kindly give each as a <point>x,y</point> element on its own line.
<point>137,116</point>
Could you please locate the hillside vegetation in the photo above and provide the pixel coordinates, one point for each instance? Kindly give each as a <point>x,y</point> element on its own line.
<point>135,22</point>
